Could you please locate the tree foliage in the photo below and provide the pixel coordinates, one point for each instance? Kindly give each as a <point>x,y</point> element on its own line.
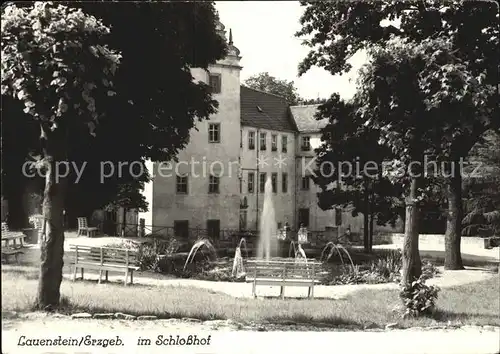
<point>38,66</point>
<point>405,91</point>
<point>481,190</point>
<point>468,53</point>
<point>351,175</point>
<point>56,62</point>
<point>268,83</point>
<point>307,101</point>
<point>158,102</point>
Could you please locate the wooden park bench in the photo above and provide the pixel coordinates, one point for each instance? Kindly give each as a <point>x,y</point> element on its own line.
<point>104,259</point>
<point>283,273</point>
<point>8,252</point>
<point>12,243</point>
<point>84,229</point>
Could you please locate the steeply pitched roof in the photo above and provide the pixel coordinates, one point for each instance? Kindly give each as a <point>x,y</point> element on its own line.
<point>304,118</point>
<point>264,110</point>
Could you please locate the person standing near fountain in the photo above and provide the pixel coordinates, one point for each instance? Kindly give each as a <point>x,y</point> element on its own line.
<point>302,235</point>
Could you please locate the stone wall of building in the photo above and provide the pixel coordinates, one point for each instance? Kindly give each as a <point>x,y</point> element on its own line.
<point>279,162</point>
<point>201,158</point>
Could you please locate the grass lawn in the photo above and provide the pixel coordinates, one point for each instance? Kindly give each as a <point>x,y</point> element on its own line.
<point>475,303</point>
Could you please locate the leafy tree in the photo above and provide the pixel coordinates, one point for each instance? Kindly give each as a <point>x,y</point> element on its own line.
<point>336,31</point>
<point>141,103</point>
<point>419,95</point>
<point>313,101</point>
<point>481,192</point>
<point>149,117</point>
<point>350,170</point>
<point>60,94</point>
<point>269,83</point>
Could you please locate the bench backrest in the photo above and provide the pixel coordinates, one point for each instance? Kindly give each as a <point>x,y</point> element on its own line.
<point>7,236</point>
<point>104,255</point>
<point>82,223</point>
<point>284,269</point>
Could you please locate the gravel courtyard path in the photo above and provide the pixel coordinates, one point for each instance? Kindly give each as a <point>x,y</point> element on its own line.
<point>228,337</point>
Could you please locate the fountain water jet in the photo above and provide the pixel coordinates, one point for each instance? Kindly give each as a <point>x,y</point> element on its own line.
<point>298,252</point>
<point>335,247</point>
<point>192,253</point>
<point>267,242</point>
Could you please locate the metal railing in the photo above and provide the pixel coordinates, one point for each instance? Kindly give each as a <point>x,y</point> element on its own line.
<point>221,238</point>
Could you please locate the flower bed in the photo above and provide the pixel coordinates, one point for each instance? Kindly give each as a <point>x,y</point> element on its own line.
<point>164,256</point>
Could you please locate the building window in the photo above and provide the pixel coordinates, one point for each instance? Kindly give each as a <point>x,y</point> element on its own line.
<point>215,83</point>
<point>213,229</point>
<point>251,181</point>
<point>306,143</point>
<point>284,143</point>
<point>263,141</point>
<point>181,229</point>
<point>262,182</point>
<point>241,138</point>
<point>274,142</point>
<point>305,183</point>
<point>182,185</point>
<point>243,219</point>
<point>284,182</point>
<point>274,182</point>
<point>241,185</point>
<point>214,133</point>
<point>304,217</point>
<point>213,186</point>
<point>251,140</point>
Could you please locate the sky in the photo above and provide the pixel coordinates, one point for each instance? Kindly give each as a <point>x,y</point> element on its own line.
<point>264,33</point>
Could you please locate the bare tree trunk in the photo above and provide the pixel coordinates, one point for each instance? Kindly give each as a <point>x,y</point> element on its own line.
<point>52,243</point>
<point>452,257</point>
<point>412,266</point>
<point>366,222</point>
<point>370,244</point>
<point>366,231</point>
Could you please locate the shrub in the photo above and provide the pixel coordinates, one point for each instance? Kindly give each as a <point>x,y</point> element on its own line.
<point>388,267</point>
<point>147,253</point>
<point>429,270</point>
<point>354,275</point>
<point>148,258</point>
<point>418,298</point>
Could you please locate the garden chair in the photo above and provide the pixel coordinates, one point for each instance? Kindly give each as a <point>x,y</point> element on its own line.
<point>84,229</point>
